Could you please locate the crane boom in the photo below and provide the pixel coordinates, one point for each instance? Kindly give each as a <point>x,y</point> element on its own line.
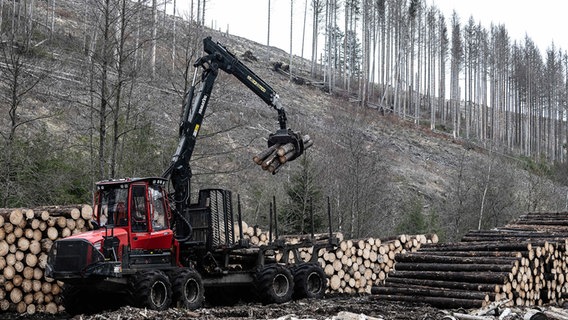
<point>194,108</point>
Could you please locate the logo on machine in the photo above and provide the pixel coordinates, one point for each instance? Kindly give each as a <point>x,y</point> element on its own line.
<point>203,103</point>
<point>249,78</point>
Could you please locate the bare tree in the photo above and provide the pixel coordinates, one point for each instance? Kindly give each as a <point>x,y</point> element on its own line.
<point>317,8</point>
<point>154,36</point>
<point>456,63</point>
<point>19,77</point>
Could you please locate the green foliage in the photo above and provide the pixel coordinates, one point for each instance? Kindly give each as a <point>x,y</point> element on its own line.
<point>538,167</point>
<point>413,221</point>
<point>40,174</point>
<point>141,152</point>
<point>304,200</point>
<point>435,224</point>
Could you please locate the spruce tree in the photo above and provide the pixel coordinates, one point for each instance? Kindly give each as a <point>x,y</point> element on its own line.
<point>305,200</point>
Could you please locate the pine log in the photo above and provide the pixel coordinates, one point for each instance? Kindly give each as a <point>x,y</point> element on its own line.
<point>19,266</point>
<point>471,277</point>
<point>16,217</point>
<point>8,227</point>
<point>23,244</point>
<point>9,272</point>
<point>51,308</point>
<point>477,246</point>
<point>4,305</point>
<point>4,248</point>
<point>61,222</point>
<point>86,212</point>
<point>52,233</point>
<point>44,215</point>
<point>30,309</point>
<point>31,259</point>
<point>434,258</point>
<point>260,157</point>
<point>21,307</point>
<point>28,214</point>
<point>16,295</point>
<point>472,253</point>
<point>38,296</point>
<point>38,274</point>
<point>410,266</point>
<point>486,287</point>
<point>18,232</point>
<point>433,292</point>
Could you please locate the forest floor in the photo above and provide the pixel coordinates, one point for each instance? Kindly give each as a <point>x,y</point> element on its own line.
<point>335,307</point>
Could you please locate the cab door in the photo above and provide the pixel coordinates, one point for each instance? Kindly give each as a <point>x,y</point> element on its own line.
<point>146,232</point>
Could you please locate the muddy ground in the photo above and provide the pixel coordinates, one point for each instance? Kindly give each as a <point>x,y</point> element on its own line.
<point>328,308</point>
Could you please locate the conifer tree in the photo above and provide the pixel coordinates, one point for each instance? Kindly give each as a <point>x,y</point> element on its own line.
<point>305,199</point>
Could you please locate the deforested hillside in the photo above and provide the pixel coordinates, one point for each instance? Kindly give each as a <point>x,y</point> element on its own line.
<point>84,98</point>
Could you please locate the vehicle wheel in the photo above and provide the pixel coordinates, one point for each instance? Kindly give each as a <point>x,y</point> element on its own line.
<point>309,281</point>
<point>151,289</point>
<point>187,287</point>
<point>274,284</point>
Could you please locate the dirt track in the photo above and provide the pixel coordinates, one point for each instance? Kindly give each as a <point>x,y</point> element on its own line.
<point>300,309</point>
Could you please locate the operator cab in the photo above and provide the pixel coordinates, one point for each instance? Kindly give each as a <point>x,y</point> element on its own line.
<point>138,206</point>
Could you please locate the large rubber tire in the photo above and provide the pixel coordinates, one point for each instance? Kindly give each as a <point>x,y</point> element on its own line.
<point>309,281</point>
<point>274,284</point>
<point>187,288</point>
<point>151,289</point>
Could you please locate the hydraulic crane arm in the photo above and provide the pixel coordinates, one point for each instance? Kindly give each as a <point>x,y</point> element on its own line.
<point>227,62</point>
<point>194,107</point>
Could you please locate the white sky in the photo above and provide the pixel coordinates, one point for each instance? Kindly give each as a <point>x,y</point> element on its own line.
<point>544,21</point>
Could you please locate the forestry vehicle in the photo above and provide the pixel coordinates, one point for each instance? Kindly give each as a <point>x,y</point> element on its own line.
<point>161,250</point>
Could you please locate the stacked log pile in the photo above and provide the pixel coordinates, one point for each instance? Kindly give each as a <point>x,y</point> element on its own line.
<point>358,265</point>
<point>355,266</point>
<point>524,262</point>
<point>26,236</point>
<point>254,234</point>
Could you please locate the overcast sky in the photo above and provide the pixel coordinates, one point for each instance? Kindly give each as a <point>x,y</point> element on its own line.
<point>544,21</point>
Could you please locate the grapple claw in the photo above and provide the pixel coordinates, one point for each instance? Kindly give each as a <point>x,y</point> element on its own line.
<point>283,146</point>
<point>289,141</point>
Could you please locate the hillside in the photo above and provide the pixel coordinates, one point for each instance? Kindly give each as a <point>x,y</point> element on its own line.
<point>382,174</point>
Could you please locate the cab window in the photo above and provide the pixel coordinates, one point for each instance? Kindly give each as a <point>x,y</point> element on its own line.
<point>138,212</point>
<point>112,206</point>
<point>157,208</point>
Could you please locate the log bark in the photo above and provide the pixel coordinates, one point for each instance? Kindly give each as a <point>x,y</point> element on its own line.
<point>487,287</point>
<point>433,292</point>
<point>433,258</point>
<point>411,266</point>
<point>471,277</point>
<point>478,246</point>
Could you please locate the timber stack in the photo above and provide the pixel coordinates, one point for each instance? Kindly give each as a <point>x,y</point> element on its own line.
<point>524,262</point>
<point>26,236</point>
<point>355,266</point>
